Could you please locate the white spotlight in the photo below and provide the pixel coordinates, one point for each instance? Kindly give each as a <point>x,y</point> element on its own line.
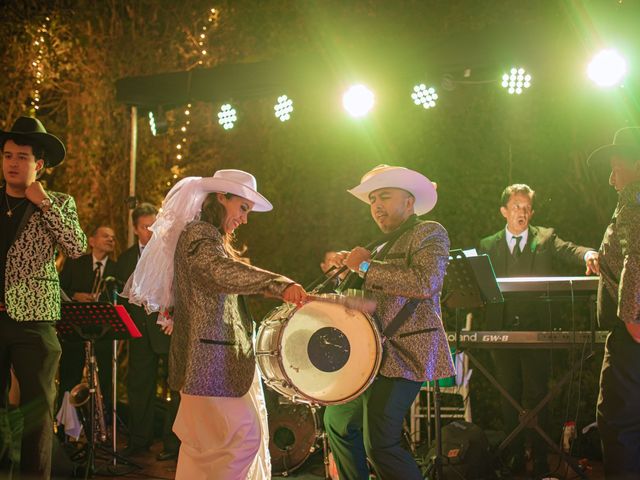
<point>358,100</point>
<point>607,68</point>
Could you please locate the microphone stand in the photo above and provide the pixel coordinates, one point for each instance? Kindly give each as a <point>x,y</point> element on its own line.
<point>111,288</point>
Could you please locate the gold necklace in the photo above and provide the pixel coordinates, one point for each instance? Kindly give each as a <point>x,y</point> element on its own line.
<point>9,209</point>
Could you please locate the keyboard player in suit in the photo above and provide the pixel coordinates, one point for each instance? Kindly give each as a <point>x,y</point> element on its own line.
<point>523,250</point>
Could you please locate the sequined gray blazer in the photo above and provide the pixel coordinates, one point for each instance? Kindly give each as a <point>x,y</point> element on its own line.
<point>211,351</point>
<point>619,289</point>
<point>413,268</point>
<point>32,288</point>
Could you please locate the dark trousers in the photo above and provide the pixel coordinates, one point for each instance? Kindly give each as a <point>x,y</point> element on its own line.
<point>33,350</point>
<point>525,375</point>
<point>141,390</point>
<point>618,411</point>
<point>371,426</point>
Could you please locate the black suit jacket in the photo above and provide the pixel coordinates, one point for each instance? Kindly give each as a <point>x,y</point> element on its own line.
<point>77,275</point>
<point>158,340</point>
<point>549,256</point>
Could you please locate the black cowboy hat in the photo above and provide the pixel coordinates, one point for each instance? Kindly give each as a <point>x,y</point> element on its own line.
<point>27,128</point>
<point>626,142</point>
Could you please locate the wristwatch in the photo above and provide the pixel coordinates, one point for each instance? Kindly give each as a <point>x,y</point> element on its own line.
<point>363,267</point>
<point>45,204</point>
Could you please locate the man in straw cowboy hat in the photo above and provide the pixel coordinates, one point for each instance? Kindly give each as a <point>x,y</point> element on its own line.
<point>191,266</point>
<point>405,275</point>
<point>33,224</point>
<point>618,411</point>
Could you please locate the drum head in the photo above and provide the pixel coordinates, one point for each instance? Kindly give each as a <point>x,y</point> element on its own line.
<point>329,352</point>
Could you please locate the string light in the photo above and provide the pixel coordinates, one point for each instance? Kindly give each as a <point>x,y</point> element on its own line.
<point>181,147</point>
<point>212,21</point>
<point>37,65</point>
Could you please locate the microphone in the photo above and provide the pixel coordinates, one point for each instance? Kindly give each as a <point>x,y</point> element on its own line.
<point>112,283</point>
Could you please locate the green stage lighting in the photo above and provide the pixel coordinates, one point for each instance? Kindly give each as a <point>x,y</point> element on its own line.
<point>283,108</point>
<point>607,69</point>
<point>516,80</point>
<point>227,116</point>
<point>358,100</point>
<point>424,96</point>
<point>158,123</point>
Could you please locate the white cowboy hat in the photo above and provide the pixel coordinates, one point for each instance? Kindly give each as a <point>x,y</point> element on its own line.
<point>384,176</point>
<point>240,183</point>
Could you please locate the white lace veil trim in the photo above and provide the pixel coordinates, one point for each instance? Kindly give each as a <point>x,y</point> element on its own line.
<point>150,285</point>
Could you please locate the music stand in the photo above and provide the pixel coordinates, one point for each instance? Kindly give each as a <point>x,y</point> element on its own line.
<point>89,322</point>
<point>469,283</point>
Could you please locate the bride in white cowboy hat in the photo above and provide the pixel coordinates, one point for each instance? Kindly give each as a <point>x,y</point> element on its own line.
<point>191,268</point>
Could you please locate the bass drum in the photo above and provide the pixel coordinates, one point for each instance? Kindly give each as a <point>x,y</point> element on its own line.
<point>321,354</point>
<point>293,434</point>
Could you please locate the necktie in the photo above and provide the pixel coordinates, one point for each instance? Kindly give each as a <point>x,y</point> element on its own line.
<point>516,248</point>
<point>97,275</point>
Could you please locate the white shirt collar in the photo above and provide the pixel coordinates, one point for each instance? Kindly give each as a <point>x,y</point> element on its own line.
<point>511,243</point>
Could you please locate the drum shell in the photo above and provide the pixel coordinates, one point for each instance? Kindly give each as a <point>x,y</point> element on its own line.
<point>293,436</point>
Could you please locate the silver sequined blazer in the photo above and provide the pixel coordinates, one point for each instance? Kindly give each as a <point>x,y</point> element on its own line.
<point>619,289</point>
<point>211,351</point>
<point>413,268</point>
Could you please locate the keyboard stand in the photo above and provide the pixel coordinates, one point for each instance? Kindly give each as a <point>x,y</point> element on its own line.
<point>528,418</point>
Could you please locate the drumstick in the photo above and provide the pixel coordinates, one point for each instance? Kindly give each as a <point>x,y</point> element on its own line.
<point>360,303</point>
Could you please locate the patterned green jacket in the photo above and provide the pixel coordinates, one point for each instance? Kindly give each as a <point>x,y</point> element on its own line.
<point>32,289</point>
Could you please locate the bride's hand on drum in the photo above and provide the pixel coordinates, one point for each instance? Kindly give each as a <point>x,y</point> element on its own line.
<point>294,293</point>
<point>356,257</point>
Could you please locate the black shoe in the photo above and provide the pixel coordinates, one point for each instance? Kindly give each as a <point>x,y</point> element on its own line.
<point>166,455</point>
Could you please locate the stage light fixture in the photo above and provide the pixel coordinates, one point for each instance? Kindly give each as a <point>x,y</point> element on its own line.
<point>283,108</point>
<point>158,123</point>
<point>516,80</point>
<point>358,100</point>
<point>227,116</point>
<point>607,69</point>
<point>423,96</point>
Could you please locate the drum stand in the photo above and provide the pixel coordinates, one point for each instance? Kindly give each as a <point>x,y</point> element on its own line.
<point>322,435</point>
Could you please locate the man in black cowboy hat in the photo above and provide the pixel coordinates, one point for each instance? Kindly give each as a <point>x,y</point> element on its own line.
<point>33,224</point>
<point>618,411</point>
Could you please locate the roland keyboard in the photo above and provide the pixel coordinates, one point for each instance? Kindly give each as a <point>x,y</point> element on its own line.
<point>525,339</point>
<point>543,285</point>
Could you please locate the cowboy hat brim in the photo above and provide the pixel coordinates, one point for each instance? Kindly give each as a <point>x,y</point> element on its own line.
<point>54,151</point>
<point>261,204</point>
<point>415,183</point>
<point>605,152</point>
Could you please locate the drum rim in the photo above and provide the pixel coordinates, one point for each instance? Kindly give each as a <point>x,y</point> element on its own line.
<point>300,397</point>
